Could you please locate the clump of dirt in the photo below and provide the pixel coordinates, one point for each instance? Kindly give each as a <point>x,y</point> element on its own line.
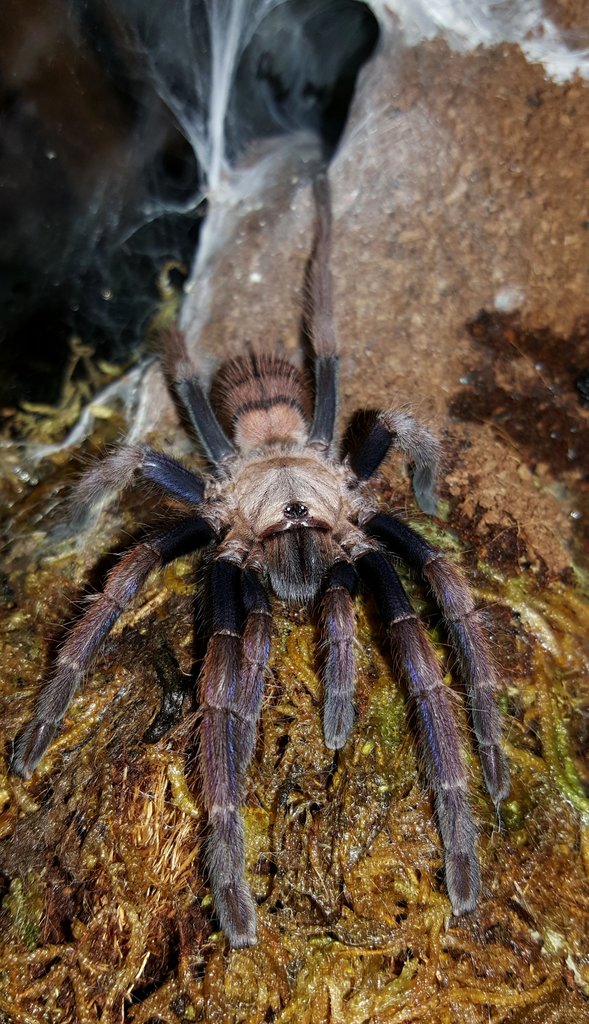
<point>525,387</point>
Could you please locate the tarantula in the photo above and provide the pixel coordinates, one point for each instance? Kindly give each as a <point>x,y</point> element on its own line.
<point>282,512</point>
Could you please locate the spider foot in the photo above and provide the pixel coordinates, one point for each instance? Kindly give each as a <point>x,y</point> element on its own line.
<point>236,911</point>
<point>30,746</point>
<point>462,871</point>
<point>338,721</point>
<point>495,771</point>
<point>232,898</point>
<point>462,881</point>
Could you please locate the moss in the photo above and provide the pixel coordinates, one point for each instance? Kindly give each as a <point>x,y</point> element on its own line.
<point>107,912</point>
<point>24,908</point>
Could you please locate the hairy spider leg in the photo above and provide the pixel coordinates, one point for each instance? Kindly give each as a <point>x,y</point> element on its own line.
<point>257,636</point>
<point>123,467</point>
<point>320,320</point>
<point>326,400</point>
<point>416,661</point>
<point>338,629</point>
<point>180,368</point>
<point>231,689</point>
<point>401,432</point>
<point>213,438</point>
<point>464,624</point>
<point>81,645</point>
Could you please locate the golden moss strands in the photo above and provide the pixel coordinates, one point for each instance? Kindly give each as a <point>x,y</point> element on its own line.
<point>354,923</point>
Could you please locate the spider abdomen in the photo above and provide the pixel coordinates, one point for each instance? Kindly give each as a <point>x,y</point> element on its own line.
<point>265,400</point>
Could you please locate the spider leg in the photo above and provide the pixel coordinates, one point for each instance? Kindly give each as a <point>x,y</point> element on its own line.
<point>447,775</point>
<point>320,319</point>
<point>213,438</point>
<point>81,645</point>
<point>122,467</point>
<point>326,392</point>
<point>401,432</point>
<point>464,624</point>
<point>338,624</point>
<point>257,634</point>
<point>231,690</point>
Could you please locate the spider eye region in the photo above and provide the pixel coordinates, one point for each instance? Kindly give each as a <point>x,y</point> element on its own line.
<point>295,510</point>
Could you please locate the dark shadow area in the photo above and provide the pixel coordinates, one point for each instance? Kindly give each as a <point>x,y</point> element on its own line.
<point>99,182</point>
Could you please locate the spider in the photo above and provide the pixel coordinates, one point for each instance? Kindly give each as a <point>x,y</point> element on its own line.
<point>282,512</point>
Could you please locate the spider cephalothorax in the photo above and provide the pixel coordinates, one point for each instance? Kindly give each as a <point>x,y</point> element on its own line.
<point>282,513</point>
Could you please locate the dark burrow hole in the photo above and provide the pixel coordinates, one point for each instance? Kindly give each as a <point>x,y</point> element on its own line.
<point>276,907</point>
<point>92,155</point>
<point>401,914</point>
